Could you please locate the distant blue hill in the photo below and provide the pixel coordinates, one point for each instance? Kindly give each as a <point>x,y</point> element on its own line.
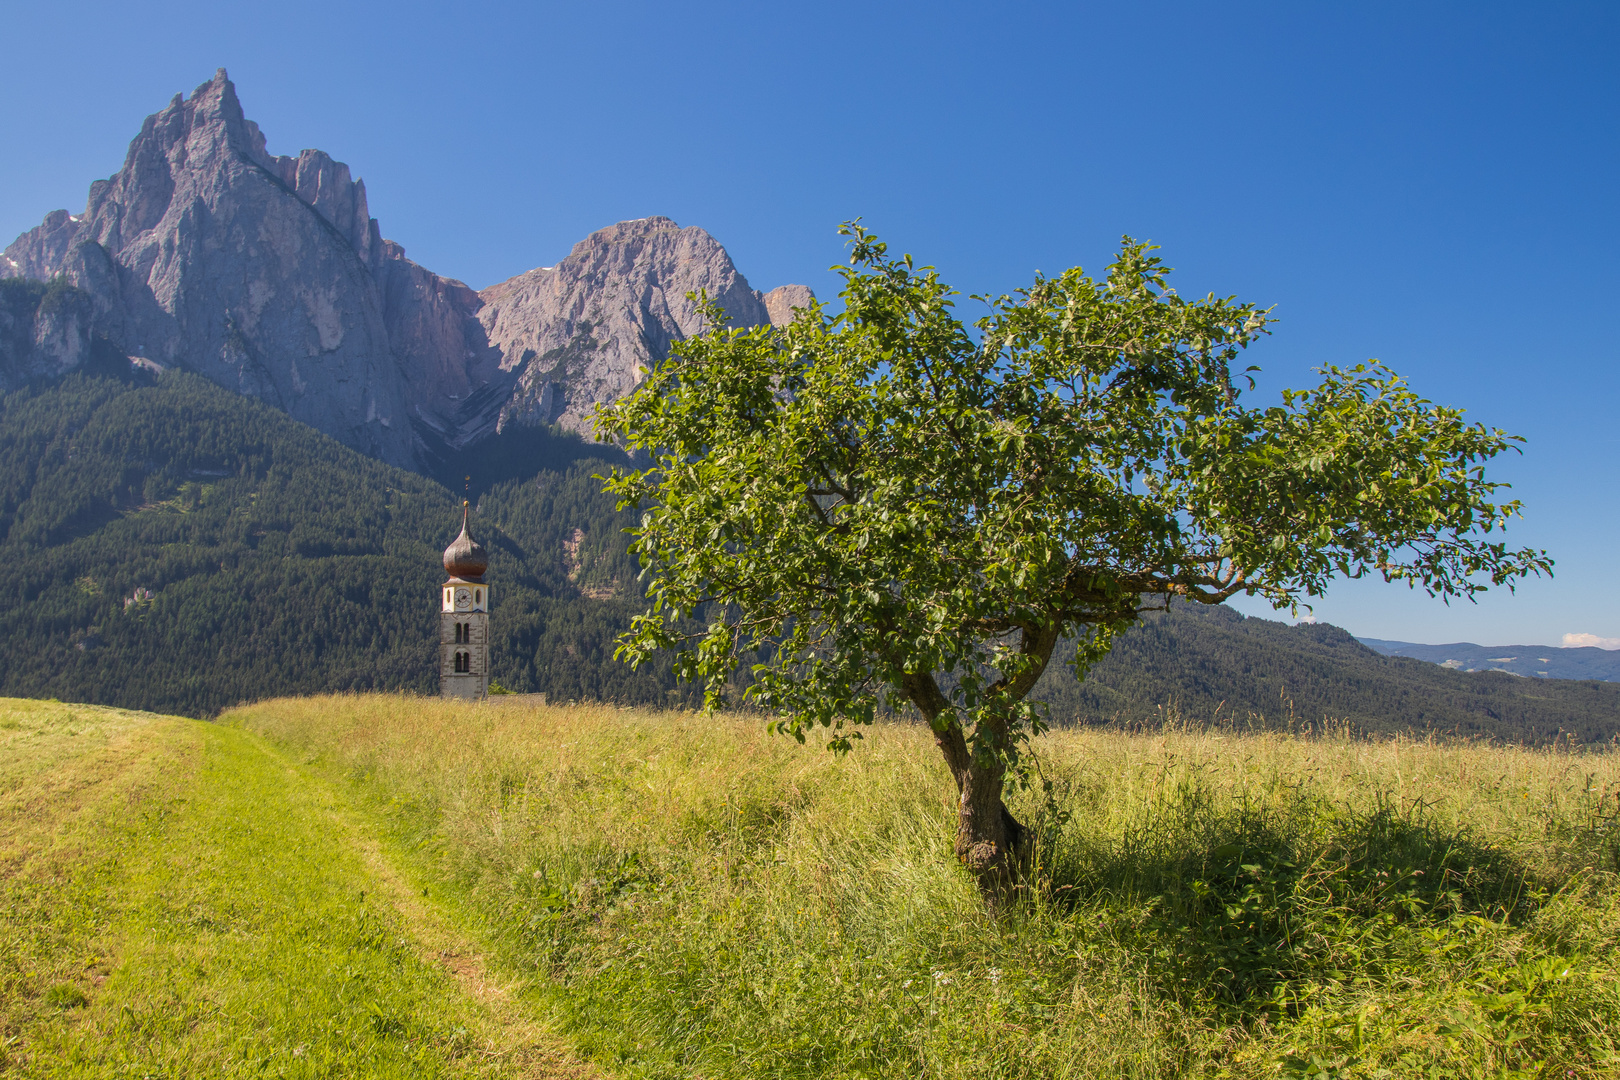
<point>1534,661</point>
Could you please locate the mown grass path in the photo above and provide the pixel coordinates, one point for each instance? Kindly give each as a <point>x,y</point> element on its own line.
<point>178,900</point>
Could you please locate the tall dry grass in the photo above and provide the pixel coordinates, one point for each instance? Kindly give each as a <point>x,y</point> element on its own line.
<point>696,898</point>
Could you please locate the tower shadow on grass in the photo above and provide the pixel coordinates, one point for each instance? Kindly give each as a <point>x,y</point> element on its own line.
<point>1248,910</point>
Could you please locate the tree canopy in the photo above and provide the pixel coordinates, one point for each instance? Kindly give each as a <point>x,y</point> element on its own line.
<point>887,506</point>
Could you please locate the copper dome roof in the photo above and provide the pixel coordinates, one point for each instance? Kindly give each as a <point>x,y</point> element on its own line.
<point>465,557</point>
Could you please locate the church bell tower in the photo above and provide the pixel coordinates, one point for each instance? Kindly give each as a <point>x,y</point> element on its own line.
<point>464,619</point>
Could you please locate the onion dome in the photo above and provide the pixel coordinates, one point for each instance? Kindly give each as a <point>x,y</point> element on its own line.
<point>465,557</point>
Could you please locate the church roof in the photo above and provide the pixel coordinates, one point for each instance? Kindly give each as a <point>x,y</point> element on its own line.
<point>465,557</point>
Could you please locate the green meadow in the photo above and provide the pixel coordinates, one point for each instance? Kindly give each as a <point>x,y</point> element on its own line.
<point>178,899</point>
<point>399,886</point>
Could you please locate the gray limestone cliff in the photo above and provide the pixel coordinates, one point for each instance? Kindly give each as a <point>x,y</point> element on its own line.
<point>45,331</point>
<point>204,252</point>
<point>267,274</point>
<point>587,329</point>
<point>785,301</point>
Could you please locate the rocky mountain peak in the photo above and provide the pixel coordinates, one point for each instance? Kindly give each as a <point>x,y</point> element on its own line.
<point>268,275</point>
<point>784,301</point>
<point>191,139</point>
<point>206,253</point>
<point>625,233</point>
<point>588,329</point>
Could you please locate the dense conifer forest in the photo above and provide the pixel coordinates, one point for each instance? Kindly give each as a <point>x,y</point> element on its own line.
<point>169,545</point>
<point>1212,664</point>
<point>166,544</point>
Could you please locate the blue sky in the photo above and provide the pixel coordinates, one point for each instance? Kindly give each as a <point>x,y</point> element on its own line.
<point>1433,185</point>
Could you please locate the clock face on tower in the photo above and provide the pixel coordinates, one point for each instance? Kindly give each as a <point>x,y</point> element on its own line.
<point>463,599</point>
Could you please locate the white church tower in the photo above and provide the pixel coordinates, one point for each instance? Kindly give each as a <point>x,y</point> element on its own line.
<point>464,619</point>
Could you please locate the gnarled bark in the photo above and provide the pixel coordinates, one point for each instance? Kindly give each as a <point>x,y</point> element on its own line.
<point>989,840</point>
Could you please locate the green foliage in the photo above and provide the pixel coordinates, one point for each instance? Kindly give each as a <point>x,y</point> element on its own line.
<point>205,550</point>
<point>19,300</point>
<point>888,507</point>
<point>170,545</point>
<point>23,302</point>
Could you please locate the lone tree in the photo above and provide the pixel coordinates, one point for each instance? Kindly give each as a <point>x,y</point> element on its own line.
<point>884,509</point>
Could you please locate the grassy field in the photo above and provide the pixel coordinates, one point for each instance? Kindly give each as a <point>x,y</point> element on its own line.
<point>176,900</point>
<point>390,886</point>
<point>684,896</point>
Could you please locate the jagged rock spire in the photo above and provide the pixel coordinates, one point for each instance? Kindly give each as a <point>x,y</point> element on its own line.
<point>267,275</point>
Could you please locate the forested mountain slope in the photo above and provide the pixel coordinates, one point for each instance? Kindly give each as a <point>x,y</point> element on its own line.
<point>1212,663</point>
<point>1538,661</point>
<point>169,545</point>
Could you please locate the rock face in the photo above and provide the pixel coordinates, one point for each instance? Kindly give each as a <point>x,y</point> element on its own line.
<point>585,330</point>
<point>206,253</point>
<point>45,331</point>
<point>784,301</point>
<point>268,275</point>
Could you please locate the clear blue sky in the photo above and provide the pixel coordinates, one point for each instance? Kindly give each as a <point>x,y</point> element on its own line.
<point>1433,185</point>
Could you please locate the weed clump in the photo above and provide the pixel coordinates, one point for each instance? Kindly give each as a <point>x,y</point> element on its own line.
<point>65,996</point>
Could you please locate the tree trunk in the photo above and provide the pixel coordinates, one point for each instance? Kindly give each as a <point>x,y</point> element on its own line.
<point>989,840</point>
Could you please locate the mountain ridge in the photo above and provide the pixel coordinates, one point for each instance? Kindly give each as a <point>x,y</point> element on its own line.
<point>266,274</point>
<point>1211,665</point>
<point>1531,661</point>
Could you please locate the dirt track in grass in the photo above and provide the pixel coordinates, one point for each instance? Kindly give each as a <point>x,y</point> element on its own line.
<point>178,899</point>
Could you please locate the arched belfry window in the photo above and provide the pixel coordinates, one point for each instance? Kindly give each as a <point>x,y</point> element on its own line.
<point>463,662</point>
